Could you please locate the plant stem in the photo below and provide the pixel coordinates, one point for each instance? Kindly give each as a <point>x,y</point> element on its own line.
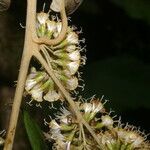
<point>29,45</point>
<point>83,134</point>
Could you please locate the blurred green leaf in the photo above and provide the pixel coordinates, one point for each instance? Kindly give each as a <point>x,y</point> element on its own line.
<point>34,133</point>
<point>125,81</point>
<point>90,7</point>
<point>139,9</point>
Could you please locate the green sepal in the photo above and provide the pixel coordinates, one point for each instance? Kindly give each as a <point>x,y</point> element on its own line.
<point>41,30</point>
<point>49,34</point>
<point>70,136</point>
<point>67,128</point>
<point>61,45</point>
<point>49,84</point>
<point>99,126</point>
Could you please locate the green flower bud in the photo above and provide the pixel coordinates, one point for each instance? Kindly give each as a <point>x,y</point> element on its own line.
<point>71,39</point>
<point>65,127</point>
<point>72,67</point>
<point>73,56</point>
<point>41,30</point>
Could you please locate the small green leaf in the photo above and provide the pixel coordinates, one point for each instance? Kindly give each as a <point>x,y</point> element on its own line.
<point>34,133</point>
<point>124,80</point>
<point>139,9</point>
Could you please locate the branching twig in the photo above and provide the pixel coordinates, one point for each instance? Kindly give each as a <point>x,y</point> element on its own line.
<point>29,45</point>
<point>31,48</point>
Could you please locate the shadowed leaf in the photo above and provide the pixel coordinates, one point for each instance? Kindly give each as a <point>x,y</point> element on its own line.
<point>34,133</point>
<point>139,9</point>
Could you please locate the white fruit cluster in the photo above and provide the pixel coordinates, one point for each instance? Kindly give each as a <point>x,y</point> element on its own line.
<point>65,60</point>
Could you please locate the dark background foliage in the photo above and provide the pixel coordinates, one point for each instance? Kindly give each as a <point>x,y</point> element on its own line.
<point>118,53</point>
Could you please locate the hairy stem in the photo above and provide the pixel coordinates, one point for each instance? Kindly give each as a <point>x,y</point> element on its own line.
<point>29,45</point>
<point>65,93</point>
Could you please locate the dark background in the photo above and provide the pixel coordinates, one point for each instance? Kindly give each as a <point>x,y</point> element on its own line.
<point>118,56</point>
